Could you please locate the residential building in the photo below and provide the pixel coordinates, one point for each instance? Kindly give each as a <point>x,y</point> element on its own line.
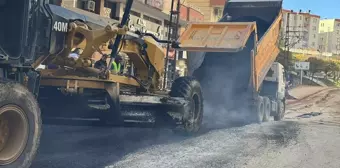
<point>146,15</point>
<point>217,7</point>
<point>187,12</point>
<point>329,36</point>
<point>302,30</point>
<point>211,9</point>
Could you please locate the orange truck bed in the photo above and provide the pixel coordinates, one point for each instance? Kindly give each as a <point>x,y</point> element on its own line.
<point>231,37</point>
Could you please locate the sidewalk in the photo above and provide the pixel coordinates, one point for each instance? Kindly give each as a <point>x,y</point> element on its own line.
<point>303,91</point>
<point>315,80</point>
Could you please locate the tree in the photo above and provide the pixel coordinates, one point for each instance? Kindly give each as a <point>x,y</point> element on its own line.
<point>332,67</point>
<point>281,58</point>
<point>316,65</point>
<point>299,57</point>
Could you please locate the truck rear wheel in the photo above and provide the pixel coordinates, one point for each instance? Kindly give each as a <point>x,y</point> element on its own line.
<point>20,126</point>
<point>189,88</point>
<point>266,114</point>
<point>281,108</point>
<point>259,110</point>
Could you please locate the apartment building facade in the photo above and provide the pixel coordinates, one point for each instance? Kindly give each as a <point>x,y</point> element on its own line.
<point>146,15</point>
<point>302,28</point>
<point>211,9</point>
<point>187,12</point>
<point>329,36</point>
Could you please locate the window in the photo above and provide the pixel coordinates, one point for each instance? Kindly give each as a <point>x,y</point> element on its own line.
<point>314,27</point>
<point>135,13</point>
<point>314,35</point>
<point>322,24</point>
<point>218,12</point>
<point>313,44</point>
<point>300,17</point>
<point>54,2</point>
<point>153,20</point>
<point>295,17</point>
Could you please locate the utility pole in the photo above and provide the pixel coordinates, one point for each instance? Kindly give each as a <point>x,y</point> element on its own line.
<point>172,36</point>
<point>337,45</point>
<point>288,42</point>
<point>327,39</point>
<point>287,45</point>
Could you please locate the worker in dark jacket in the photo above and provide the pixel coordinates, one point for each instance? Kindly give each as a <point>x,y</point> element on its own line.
<point>101,64</point>
<point>116,67</point>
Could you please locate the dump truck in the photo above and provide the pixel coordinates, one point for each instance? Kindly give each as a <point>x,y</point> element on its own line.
<point>40,33</point>
<point>234,60</point>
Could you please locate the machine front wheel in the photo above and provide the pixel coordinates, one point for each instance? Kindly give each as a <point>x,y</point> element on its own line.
<point>20,125</point>
<point>190,89</point>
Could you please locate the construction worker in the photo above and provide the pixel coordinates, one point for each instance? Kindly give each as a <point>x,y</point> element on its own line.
<point>101,64</point>
<point>75,53</point>
<point>117,65</point>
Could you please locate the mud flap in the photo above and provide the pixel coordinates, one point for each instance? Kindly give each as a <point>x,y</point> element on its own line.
<point>33,82</point>
<point>274,107</point>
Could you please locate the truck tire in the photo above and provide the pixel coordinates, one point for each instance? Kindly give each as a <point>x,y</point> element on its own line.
<point>259,110</point>
<point>20,125</point>
<point>267,109</point>
<point>189,88</point>
<point>281,108</point>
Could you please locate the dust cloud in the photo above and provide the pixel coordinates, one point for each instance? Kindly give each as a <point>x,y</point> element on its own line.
<point>224,79</point>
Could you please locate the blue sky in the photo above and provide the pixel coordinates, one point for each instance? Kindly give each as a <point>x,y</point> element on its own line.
<point>324,8</point>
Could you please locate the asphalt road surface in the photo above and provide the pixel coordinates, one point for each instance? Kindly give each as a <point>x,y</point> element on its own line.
<point>305,141</point>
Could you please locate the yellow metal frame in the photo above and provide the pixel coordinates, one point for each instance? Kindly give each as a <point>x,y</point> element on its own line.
<point>81,36</point>
<point>48,78</point>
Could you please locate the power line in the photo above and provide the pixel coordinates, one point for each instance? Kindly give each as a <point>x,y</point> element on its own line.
<point>288,40</point>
